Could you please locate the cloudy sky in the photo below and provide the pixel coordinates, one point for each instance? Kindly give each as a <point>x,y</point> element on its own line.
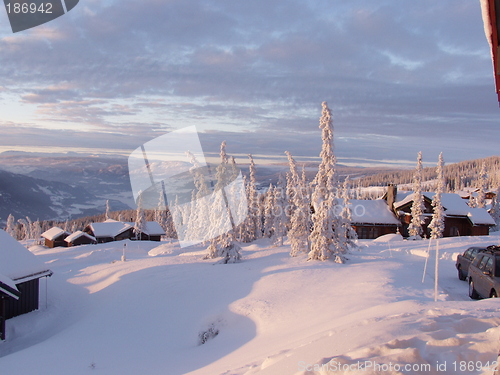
<point>400,76</point>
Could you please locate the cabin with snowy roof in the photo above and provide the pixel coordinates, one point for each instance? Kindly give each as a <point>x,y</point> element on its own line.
<point>109,230</point>
<point>372,218</point>
<point>20,272</point>
<point>152,231</point>
<point>460,219</point>
<point>54,237</point>
<point>80,238</point>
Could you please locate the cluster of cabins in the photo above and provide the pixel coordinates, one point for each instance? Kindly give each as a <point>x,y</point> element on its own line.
<point>392,214</point>
<point>107,231</point>
<point>21,270</point>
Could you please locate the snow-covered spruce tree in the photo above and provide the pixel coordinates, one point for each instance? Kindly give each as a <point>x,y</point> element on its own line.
<point>199,217</point>
<point>26,228</point>
<point>482,185</point>
<point>254,230</point>
<point>495,210</point>
<point>140,219</point>
<point>160,211</point>
<point>268,231</point>
<point>300,204</point>
<point>348,235</point>
<point>418,207</point>
<point>36,232</point>
<point>327,224</point>
<point>11,226</point>
<point>223,246</point>
<point>279,214</point>
<point>108,211</point>
<point>437,223</point>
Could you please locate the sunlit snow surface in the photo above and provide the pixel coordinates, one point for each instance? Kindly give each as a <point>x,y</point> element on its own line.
<point>274,314</point>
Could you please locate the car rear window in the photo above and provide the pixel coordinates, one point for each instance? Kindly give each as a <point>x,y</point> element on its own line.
<point>497,273</point>
<point>478,259</point>
<point>483,262</point>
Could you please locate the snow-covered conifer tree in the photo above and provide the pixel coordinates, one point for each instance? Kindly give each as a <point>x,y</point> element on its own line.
<point>348,235</point>
<point>36,232</point>
<point>300,210</point>
<point>160,212</point>
<point>480,200</point>
<point>108,210</point>
<point>437,223</point>
<point>269,203</point>
<point>254,209</point>
<point>140,219</point>
<point>327,224</point>
<point>418,207</point>
<point>25,229</point>
<point>495,210</point>
<point>11,226</point>
<point>223,246</point>
<point>279,213</point>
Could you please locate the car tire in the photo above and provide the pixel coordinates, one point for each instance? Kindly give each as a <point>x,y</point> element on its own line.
<point>461,276</point>
<point>493,294</point>
<point>472,291</point>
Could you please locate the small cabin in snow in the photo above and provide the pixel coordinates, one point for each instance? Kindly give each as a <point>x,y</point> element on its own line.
<point>20,272</point>
<point>80,238</point>
<point>372,218</point>
<point>110,230</point>
<point>152,231</point>
<point>54,237</point>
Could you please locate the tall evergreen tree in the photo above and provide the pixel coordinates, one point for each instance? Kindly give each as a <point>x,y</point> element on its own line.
<point>11,226</point>
<point>223,246</point>
<point>327,225</point>
<point>348,235</point>
<point>108,210</point>
<point>495,210</point>
<point>480,200</point>
<point>279,213</point>
<point>140,220</point>
<point>437,223</point>
<point>418,207</point>
<point>300,204</point>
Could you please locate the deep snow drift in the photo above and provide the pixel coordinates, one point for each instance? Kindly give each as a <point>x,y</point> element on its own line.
<point>269,314</point>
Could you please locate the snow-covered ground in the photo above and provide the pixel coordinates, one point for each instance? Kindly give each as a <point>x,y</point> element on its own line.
<point>274,314</point>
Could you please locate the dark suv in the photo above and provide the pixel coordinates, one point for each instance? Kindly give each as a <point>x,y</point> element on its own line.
<point>464,260</point>
<point>484,274</point>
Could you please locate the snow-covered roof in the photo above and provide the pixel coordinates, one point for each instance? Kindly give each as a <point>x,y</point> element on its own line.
<point>453,204</point>
<point>8,287</point>
<point>372,212</point>
<point>151,228</point>
<point>109,228</point>
<point>78,234</point>
<point>54,233</point>
<point>17,262</point>
<point>480,216</point>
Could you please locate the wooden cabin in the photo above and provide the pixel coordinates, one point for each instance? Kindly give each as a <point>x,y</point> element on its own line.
<point>372,218</point>
<point>152,232</point>
<point>80,238</point>
<point>8,290</point>
<point>21,270</point>
<point>110,230</point>
<point>54,237</point>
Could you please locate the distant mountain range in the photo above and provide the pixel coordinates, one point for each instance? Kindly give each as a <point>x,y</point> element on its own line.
<point>22,196</point>
<point>69,185</point>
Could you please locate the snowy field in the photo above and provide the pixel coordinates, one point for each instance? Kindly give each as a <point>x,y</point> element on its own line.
<point>273,314</point>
